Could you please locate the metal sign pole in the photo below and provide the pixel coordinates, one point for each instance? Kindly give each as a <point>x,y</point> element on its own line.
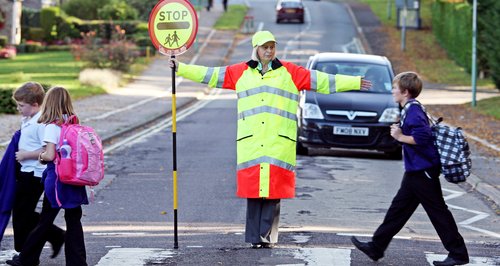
<point>172,27</point>
<point>174,155</point>
<point>474,54</point>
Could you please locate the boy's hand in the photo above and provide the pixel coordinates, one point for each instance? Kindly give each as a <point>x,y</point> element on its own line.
<point>21,155</point>
<point>396,131</point>
<point>365,84</point>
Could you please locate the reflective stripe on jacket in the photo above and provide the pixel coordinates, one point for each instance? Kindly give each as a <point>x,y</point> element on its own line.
<point>267,121</point>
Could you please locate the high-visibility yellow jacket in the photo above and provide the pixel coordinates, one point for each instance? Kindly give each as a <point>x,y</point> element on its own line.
<point>267,121</point>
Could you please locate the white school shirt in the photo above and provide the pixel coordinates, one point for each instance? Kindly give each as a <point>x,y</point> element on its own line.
<point>52,134</point>
<point>32,134</point>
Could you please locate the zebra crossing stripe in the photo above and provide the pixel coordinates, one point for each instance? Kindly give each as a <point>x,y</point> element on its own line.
<point>134,256</point>
<point>474,261</point>
<point>6,255</point>
<point>323,256</point>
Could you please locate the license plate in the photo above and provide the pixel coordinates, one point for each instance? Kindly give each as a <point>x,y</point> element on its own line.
<point>350,131</point>
<point>290,10</point>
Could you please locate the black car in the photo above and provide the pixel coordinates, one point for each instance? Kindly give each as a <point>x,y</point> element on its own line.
<point>355,119</point>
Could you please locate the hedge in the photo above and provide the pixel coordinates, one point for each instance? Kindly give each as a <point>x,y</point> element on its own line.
<point>7,104</point>
<point>488,36</point>
<point>451,24</point>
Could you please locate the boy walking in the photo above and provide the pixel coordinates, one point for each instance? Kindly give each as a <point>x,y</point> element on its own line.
<point>420,184</point>
<point>29,186</point>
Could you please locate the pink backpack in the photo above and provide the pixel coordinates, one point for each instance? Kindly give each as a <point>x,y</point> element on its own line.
<point>85,167</point>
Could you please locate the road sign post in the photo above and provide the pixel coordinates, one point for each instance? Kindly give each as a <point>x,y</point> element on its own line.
<point>173,25</point>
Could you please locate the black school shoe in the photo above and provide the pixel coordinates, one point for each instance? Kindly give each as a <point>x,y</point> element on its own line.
<point>56,246</point>
<point>450,262</point>
<point>16,261</point>
<point>367,248</point>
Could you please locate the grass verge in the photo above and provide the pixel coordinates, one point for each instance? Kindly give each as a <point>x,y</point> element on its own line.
<point>489,107</point>
<point>232,19</point>
<point>54,68</point>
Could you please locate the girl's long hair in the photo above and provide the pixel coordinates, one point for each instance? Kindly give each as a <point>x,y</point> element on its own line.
<point>56,107</point>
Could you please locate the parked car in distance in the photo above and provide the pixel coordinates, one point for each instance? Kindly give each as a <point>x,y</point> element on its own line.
<point>354,119</point>
<point>289,10</point>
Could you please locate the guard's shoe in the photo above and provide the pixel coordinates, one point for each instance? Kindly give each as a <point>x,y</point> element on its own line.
<point>367,249</point>
<point>268,245</point>
<point>255,245</point>
<point>450,262</point>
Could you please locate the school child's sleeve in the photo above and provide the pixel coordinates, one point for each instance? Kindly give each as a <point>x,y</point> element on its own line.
<point>419,125</point>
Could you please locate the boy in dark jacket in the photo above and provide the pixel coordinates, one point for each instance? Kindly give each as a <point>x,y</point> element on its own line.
<point>420,183</point>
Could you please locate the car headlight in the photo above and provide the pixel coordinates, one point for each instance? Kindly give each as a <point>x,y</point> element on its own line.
<point>312,111</point>
<point>390,115</point>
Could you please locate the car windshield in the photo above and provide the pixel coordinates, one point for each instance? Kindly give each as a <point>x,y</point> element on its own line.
<point>379,75</point>
<point>291,5</point>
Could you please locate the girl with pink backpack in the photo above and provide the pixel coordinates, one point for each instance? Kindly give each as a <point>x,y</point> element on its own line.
<point>55,111</point>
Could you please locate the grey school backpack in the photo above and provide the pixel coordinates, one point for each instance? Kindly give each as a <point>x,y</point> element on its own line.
<point>453,148</point>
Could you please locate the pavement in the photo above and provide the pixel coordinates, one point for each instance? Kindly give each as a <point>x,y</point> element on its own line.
<point>148,97</point>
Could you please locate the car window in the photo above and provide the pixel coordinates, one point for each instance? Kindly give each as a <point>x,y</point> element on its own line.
<point>379,75</point>
<point>291,4</point>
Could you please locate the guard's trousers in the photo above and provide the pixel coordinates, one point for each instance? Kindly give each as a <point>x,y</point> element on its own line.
<point>262,221</point>
<point>424,188</point>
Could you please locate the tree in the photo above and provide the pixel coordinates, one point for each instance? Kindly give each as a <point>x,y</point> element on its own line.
<point>84,9</point>
<point>118,10</point>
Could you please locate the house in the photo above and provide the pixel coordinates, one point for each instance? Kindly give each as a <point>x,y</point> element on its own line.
<point>10,20</point>
<point>38,4</point>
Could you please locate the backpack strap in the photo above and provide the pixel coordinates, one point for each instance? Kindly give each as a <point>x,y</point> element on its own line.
<point>432,121</point>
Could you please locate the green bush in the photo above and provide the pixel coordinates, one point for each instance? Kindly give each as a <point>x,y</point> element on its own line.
<point>7,104</point>
<point>48,22</point>
<point>67,27</point>
<point>84,9</point>
<point>117,10</point>
<point>35,34</point>
<point>118,54</point>
<point>3,41</point>
<point>30,17</point>
<point>30,47</point>
<point>58,47</point>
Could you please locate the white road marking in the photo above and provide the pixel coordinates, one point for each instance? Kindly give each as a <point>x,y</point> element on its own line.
<point>161,126</point>
<point>6,255</point>
<point>321,256</point>
<point>301,239</point>
<point>299,35</point>
<point>467,223</point>
<point>134,256</point>
<point>474,261</point>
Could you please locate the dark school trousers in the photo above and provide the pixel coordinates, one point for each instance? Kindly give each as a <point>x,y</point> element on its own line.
<point>29,188</point>
<point>74,247</point>
<point>262,220</point>
<point>417,188</point>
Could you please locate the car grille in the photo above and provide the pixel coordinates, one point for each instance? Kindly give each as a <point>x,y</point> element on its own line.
<point>346,116</point>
